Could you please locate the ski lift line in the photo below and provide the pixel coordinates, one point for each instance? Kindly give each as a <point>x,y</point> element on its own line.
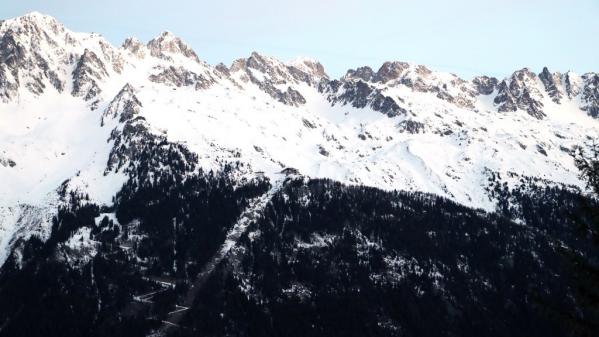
<point>145,298</point>
<point>170,323</point>
<point>232,237</point>
<point>177,311</point>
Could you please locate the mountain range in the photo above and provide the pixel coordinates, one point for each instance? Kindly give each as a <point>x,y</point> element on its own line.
<point>86,124</point>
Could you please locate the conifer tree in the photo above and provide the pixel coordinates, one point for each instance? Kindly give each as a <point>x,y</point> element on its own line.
<point>586,269</point>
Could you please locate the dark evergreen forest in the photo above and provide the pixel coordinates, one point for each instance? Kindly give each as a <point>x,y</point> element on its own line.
<point>322,259</point>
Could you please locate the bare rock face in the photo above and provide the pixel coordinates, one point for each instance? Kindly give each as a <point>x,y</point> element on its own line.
<point>573,84</point>
<point>391,71</point>
<point>307,70</point>
<point>125,105</point>
<point>181,77</point>
<point>290,96</point>
<point>485,85</point>
<point>360,87</point>
<point>410,126</point>
<point>418,78</point>
<point>222,69</point>
<point>7,162</point>
<point>274,70</point>
<point>520,92</point>
<point>135,47</point>
<point>88,71</point>
<point>165,45</point>
<point>298,71</point>
<point>11,55</point>
<point>22,62</point>
<point>365,74</point>
<point>590,94</point>
<point>112,56</point>
<point>360,95</point>
<point>270,75</point>
<point>553,84</point>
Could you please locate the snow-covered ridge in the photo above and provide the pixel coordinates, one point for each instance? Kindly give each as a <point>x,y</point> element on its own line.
<point>72,107</point>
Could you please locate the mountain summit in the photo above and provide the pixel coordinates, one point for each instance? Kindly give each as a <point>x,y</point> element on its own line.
<point>403,126</point>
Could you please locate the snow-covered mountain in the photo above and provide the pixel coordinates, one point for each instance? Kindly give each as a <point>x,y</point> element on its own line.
<point>75,112</point>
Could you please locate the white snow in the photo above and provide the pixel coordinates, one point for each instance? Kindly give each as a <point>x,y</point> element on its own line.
<point>55,137</point>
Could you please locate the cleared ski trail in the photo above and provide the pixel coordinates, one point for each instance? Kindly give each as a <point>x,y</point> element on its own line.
<point>251,213</point>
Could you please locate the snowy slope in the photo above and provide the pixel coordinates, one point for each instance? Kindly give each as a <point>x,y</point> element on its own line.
<point>401,127</point>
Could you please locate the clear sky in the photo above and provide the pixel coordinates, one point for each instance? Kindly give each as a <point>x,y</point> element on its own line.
<point>466,37</point>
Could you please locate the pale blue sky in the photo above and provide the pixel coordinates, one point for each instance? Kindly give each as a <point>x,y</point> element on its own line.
<point>466,37</point>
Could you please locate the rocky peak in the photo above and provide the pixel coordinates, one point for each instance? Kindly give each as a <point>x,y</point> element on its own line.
<point>553,84</point>
<point>238,65</point>
<point>485,85</point>
<point>391,71</point>
<point>524,76</point>
<point>274,69</point>
<point>270,74</point>
<point>35,30</point>
<point>222,70</point>
<point>520,91</point>
<point>167,43</point>
<point>261,62</point>
<point>419,78</point>
<point>125,104</point>
<point>135,47</point>
<point>33,23</point>
<point>365,74</point>
<point>260,68</point>
<point>23,60</point>
<point>310,67</point>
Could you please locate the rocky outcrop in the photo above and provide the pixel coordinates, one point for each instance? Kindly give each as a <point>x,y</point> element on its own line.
<point>520,91</point>
<point>573,84</point>
<point>260,68</point>
<point>181,77</point>
<point>125,105</point>
<point>365,74</point>
<point>278,79</point>
<point>391,71</point>
<point>11,55</point>
<point>135,147</point>
<point>134,47</point>
<point>590,94</point>
<point>35,50</point>
<point>360,94</point>
<point>410,126</point>
<point>307,70</point>
<point>418,78</point>
<point>21,65</point>
<point>166,45</point>
<point>7,162</point>
<point>485,85</point>
<point>553,84</point>
<point>112,56</point>
<point>88,72</point>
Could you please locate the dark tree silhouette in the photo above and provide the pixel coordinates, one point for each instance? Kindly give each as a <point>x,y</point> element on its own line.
<point>586,268</point>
